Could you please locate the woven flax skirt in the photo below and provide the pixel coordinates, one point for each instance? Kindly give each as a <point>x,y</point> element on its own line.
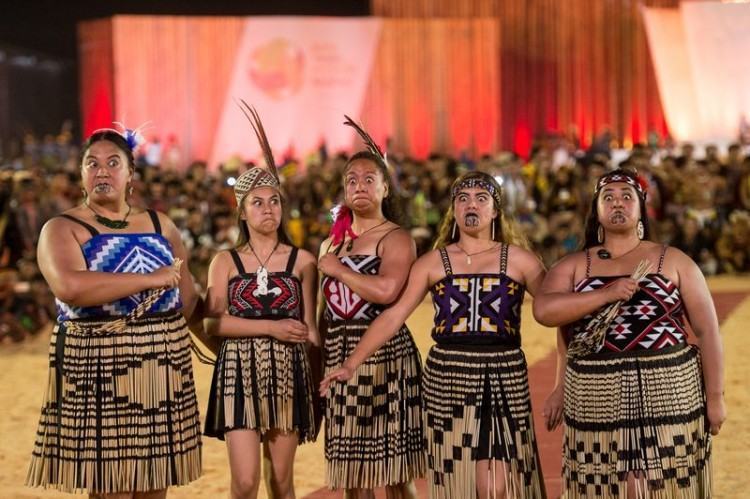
<point>374,421</point>
<point>637,412</point>
<point>477,407</point>
<point>120,413</point>
<point>261,384</point>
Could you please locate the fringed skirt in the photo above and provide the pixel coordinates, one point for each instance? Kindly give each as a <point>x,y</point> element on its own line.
<point>373,427</point>
<point>640,412</point>
<point>261,384</point>
<point>477,407</point>
<point>120,413</point>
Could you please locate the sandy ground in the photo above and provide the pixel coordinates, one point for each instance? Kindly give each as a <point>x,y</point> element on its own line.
<point>23,379</point>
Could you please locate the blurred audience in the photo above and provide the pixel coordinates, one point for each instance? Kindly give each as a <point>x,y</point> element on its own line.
<point>698,201</point>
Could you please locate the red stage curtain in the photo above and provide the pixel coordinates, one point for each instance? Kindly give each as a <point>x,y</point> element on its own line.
<point>435,86</point>
<point>563,62</point>
<point>96,63</point>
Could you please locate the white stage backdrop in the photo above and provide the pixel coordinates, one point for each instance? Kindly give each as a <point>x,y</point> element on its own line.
<point>702,68</point>
<point>297,72</point>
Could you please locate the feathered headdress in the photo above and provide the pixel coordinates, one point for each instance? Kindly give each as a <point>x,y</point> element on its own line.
<point>257,176</point>
<point>342,214</point>
<point>133,136</point>
<point>372,146</point>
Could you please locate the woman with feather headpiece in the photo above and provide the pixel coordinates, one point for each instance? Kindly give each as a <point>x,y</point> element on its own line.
<point>373,423</point>
<point>478,422</point>
<point>261,301</point>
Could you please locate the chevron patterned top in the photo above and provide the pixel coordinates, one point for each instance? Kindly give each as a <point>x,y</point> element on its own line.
<point>650,320</point>
<point>136,253</point>
<point>477,309</point>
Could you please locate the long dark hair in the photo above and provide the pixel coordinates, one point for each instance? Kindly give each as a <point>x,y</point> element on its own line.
<point>392,209</point>
<point>591,237</point>
<point>110,136</point>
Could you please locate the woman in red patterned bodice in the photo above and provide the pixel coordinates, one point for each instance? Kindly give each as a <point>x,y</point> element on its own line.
<point>634,401</point>
<point>261,301</point>
<point>373,423</point>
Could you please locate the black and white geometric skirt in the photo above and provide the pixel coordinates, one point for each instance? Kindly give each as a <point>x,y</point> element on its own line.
<point>120,413</point>
<point>636,412</point>
<point>373,426</point>
<point>477,407</point>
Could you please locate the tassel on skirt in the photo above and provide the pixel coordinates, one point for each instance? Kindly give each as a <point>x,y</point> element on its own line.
<point>261,384</point>
<point>373,424</point>
<point>120,413</point>
<point>636,412</point>
<point>478,407</point>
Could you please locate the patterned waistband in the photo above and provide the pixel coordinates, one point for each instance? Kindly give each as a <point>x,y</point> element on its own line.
<point>105,326</point>
<point>354,323</point>
<point>85,321</point>
<point>607,354</point>
<point>475,348</point>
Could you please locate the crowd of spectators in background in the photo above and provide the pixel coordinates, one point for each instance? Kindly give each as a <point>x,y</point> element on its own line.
<point>698,200</point>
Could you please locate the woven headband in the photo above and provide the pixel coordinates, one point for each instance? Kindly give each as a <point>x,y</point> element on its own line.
<point>253,179</point>
<point>471,183</point>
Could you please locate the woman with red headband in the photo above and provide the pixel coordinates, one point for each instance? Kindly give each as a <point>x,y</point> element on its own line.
<point>373,426</point>
<point>120,415</point>
<point>478,421</point>
<point>640,403</point>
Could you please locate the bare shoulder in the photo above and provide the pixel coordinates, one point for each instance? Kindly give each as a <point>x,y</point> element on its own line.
<point>430,265</point>
<point>167,225</point>
<point>397,236</point>
<point>679,267</point>
<point>570,262</point>
<point>221,260</point>
<point>522,255</point>
<point>325,246</point>
<point>304,257</point>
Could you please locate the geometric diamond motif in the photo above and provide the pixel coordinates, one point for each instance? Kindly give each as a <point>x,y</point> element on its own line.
<point>651,319</point>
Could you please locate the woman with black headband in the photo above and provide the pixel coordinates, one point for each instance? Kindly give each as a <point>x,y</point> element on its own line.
<point>120,416</point>
<point>261,300</point>
<point>640,403</point>
<point>373,427</point>
<point>478,420</point>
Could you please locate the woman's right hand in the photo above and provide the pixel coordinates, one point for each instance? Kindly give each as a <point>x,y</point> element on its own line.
<point>166,277</point>
<point>621,289</point>
<point>342,375</point>
<point>553,408</point>
<point>289,330</point>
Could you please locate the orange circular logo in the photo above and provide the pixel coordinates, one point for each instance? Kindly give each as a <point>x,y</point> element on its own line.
<point>277,68</point>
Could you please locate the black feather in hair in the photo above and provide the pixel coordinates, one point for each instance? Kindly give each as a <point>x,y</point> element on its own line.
<point>369,142</point>
<point>254,118</point>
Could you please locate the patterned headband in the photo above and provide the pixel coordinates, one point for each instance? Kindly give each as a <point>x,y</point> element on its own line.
<point>253,179</point>
<point>617,176</point>
<point>480,183</point>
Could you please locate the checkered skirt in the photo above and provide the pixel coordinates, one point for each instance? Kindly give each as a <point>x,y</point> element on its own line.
<point>641,412</point>
<point>477,406</point>
<point>373,424</point>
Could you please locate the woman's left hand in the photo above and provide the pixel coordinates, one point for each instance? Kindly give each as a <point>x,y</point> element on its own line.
<point>716,411</point>
<point>330,265</point>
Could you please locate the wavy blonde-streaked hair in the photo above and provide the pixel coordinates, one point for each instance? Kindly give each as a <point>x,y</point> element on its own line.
<point>506,229</point>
